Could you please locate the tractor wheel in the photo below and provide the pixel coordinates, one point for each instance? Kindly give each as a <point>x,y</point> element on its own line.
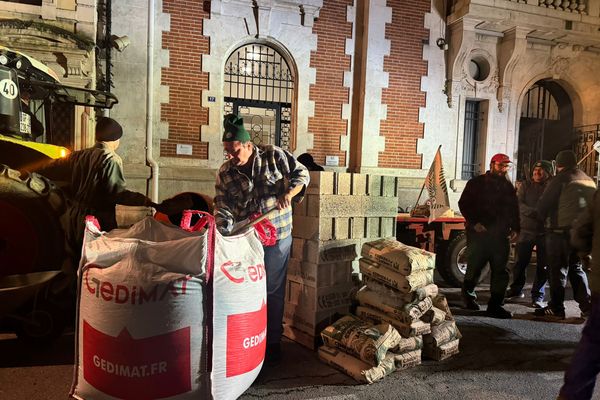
<point>42,324</point>
<point>31,235</point>
<point>455,265</point>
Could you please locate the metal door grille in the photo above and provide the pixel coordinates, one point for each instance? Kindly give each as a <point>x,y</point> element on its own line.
<point>259,86</point>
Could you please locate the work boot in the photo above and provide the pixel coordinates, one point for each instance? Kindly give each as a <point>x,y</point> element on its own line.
<point>498,312</point>
<point>549,313</point>
<point>471,304</point>
<point>513,294</point>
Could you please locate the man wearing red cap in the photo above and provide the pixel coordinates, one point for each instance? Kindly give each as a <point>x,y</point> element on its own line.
<point>491,210</point>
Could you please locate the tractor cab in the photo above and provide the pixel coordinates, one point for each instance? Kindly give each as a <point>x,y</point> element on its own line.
<point>32,101</point>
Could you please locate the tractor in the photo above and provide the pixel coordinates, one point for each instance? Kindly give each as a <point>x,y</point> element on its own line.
<point>32,242</point>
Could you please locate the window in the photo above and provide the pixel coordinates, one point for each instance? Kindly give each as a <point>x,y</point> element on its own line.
<point>470,163</point>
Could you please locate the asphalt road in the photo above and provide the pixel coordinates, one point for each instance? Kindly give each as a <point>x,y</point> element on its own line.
<point>499,359</point>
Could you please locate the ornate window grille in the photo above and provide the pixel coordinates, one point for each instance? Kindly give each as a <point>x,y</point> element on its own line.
<point>259,86</point>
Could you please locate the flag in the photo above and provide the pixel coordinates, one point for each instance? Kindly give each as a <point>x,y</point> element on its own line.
<point>435,183</point>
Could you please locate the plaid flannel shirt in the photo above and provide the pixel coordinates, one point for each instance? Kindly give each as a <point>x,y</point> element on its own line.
<point>238,196</point>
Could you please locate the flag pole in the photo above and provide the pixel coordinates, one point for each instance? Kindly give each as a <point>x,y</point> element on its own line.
<point>425,180</point>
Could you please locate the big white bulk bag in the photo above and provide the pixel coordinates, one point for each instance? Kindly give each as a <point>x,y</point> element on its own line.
<point>169,313</point>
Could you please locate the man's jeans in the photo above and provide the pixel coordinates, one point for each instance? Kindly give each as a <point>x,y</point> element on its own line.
<point>524,250</point>
<point>563,263</point>
<point>580,377</point>
<point>483,248</point>
<point>276,262</point>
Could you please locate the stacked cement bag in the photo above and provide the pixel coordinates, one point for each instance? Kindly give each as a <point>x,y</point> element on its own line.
<point>365,351</point>
<point>399,290</point>
<point>443,340</point>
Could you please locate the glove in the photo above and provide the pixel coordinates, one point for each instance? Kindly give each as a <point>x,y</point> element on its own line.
<point>175,205</point>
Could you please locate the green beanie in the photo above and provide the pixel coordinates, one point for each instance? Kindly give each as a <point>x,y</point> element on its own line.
<point>566,159</point>
<point>545,165</point>
<point>234,130</point>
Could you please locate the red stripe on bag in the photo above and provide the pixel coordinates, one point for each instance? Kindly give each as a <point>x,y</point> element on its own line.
<point>246,341</point>
<point>137,369</point>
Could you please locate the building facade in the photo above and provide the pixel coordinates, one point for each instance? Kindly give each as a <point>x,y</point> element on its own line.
<point>369,86</point>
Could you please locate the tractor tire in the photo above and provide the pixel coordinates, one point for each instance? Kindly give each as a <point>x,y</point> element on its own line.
<point>455,263</point>
<point>42,324</point>
<point>31,235</point>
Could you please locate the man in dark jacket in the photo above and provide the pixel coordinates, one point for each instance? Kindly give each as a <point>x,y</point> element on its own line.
<point>96,184</point>
<point>566,196</point>
<point>532,235</point>
<point>580,377</point>
<point>491,210</point>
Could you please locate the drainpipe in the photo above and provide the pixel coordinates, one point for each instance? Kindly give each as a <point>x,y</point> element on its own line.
<point>150,105</point>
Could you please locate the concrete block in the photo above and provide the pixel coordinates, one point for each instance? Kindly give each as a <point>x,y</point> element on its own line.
<point>357,227</point>
<point>312,228</point>
<point>373,227</point>
<point>320,275</point>
<point>374,183</point>
<point>309,340</point>
<point>321,182</point>
<point>341,228</point>
<point>388,227</point>
<point>297,248</point>
<point>310,322</point>
<point>380,206</point>
<point>389,186</point>
<point>315,299</point>
<point>359,185</point>
<point>318,251</point>
<point>344,183</point>
<point>334,205</point>
<point>300,208</point>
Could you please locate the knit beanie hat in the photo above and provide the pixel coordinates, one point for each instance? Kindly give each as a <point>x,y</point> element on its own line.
<point>566,159</point>
<point>108,130</point>
<point>234,129</point>
<point>545,165</point>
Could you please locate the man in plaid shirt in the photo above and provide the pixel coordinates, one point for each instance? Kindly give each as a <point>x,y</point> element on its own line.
<point>255,179</point>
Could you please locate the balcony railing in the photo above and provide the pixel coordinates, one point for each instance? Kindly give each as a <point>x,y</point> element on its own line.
<point>576,6</point>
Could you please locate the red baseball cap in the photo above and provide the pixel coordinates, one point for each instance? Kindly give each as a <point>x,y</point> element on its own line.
<point>500,158</point>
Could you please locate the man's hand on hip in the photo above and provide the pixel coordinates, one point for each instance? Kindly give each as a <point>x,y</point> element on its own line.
<point>284,201</point>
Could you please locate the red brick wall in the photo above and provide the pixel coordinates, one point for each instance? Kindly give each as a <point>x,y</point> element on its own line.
<point>329,92</point>
<point>403,96</point>
<point>184,78</point>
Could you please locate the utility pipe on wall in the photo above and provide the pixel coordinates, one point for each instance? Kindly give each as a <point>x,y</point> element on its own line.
<point>150,105</point>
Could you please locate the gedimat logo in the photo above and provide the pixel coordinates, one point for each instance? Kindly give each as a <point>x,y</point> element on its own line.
<point>236,272</point>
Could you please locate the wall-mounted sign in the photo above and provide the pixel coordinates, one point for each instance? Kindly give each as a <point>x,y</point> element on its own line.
<point>332,161</point>
<point>211,99</point>
<point>185,149</point>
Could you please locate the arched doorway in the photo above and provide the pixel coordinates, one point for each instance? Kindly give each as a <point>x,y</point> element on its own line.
<point>259,86</point>
<point>546,125</point>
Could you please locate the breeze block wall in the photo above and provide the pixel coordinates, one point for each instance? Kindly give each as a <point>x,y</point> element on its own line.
<point>340,212</point>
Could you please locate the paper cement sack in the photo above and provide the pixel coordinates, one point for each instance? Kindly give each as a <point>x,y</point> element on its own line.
<point>366,341</point>
<point>407,313</point>
<point>145,315</point>
<point>398,256</point>
<point>393,279</point>
<point>419,294</point>
<point>406,330</point>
